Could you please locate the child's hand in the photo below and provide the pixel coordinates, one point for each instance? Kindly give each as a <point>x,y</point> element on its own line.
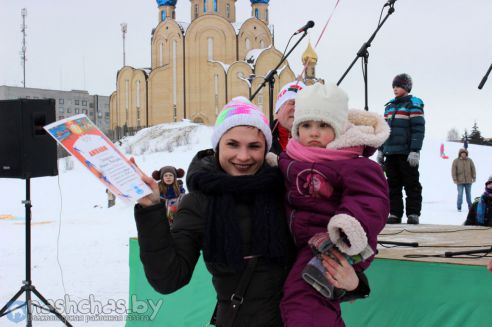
<point>339,272</point>
<point>154,197</point>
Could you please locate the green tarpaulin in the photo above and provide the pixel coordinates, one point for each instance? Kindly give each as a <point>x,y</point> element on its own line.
<point>404,293</point>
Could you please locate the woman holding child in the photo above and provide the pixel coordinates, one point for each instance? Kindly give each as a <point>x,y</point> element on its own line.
<point>235,214</point>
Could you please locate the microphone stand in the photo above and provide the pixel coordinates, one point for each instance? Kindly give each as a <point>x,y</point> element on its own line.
<point>409,244</point>
<point>364,54</point>
<point>452,254</point>
<point>484,79</point>
<point>270,78</point>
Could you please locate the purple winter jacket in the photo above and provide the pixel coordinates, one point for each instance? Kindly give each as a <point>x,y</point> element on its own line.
<point>355,187</point>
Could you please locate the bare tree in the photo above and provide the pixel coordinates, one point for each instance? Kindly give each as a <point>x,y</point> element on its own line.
<point>453,135</point>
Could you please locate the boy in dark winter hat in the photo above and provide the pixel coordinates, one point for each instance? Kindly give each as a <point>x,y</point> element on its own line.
<point>403,81</point>
<point>400,154</point>
<point>481,210</point>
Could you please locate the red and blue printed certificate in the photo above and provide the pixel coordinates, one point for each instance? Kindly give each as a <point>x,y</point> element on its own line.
<point>82,139</point>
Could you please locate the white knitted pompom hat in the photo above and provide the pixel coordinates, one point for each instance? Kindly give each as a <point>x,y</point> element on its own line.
<point>319,102</point>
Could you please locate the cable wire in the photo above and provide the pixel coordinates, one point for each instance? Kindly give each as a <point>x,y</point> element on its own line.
<point>59,233</point>
<point>437,232</point>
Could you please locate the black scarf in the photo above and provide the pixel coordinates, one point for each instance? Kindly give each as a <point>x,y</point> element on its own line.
<point>222,239</point>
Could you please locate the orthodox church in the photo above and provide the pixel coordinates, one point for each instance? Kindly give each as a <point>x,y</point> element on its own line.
<point>197,67</point>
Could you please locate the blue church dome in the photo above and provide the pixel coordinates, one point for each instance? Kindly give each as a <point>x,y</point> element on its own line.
<point>259,1</point>
<point>166,2</point>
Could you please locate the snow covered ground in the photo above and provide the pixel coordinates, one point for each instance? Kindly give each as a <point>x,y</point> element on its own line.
<point>80,247</point>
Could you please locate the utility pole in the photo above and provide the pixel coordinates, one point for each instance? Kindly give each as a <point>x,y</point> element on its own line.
<point>123,31</point>
<point>23,51</point>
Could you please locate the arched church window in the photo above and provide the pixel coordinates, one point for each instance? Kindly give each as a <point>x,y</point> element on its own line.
<point>266,14</point>
<point>196,11</point>
<point>262,44</point>
<point>248,44</point>
<point>215,5</point>
<point>161,54</point>
<point>257,13</point>
<point>127,99</point>
<point>210,48</point>
<point>138,94</point>
<point>137,99</point>
<point>204,5</point>
<point>228,11</point>
<point>175,71</point>
<point>260,100</point>
<point>216,93</point>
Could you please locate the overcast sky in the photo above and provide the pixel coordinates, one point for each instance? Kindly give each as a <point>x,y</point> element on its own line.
<point>445,45</point>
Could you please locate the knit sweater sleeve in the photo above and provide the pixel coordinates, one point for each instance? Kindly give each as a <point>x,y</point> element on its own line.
<point>417,124</point>
<point>169,257</point>
<point>365,196</point>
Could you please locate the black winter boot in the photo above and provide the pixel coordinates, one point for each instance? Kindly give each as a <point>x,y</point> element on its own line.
<point>392,219</point>
<point>413,219</point>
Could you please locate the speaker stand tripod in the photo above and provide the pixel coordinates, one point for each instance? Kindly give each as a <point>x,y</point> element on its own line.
<point>28,287</point>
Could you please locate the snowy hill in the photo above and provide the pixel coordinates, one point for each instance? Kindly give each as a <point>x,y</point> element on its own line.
<point>72,224</point>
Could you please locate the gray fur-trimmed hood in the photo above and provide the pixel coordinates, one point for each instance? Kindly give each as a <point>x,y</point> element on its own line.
<point>362,128</point>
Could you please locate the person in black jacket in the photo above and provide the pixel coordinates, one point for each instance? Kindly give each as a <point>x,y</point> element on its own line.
<point>480,212</point>
<point>234,214</point>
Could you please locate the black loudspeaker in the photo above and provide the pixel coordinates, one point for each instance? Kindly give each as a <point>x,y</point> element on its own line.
<point>26,149</point>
